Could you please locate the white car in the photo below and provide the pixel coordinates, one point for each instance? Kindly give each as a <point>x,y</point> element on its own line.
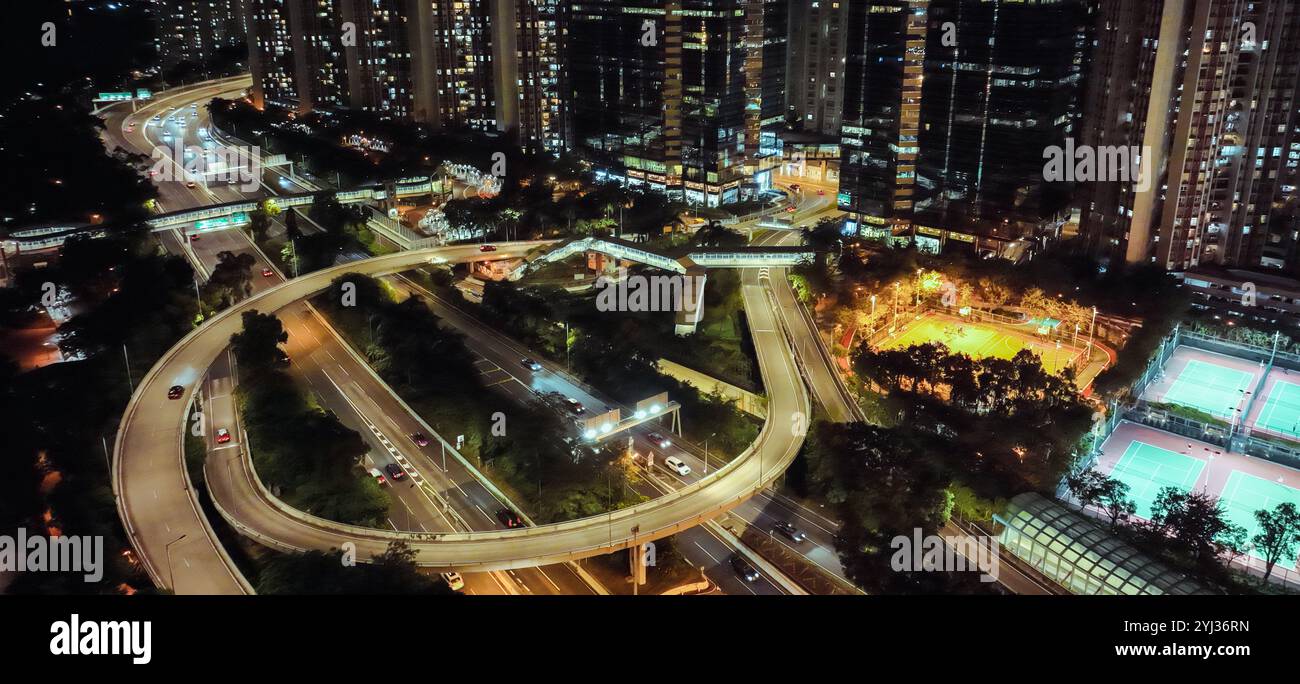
<point>677,466</point>
<point>453,580</point>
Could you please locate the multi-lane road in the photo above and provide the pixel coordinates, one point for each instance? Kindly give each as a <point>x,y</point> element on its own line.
<point>148,438</point>
<point>323,365</point>
<point>369,413</point>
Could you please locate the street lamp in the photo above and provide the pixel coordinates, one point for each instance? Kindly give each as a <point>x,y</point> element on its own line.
<point>706,453</point>
<point>1092,331</point>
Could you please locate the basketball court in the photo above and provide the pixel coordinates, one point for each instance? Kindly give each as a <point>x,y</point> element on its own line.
<point>980,340</point>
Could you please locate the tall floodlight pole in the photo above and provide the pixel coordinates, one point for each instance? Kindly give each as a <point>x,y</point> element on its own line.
<point>1092,331</point>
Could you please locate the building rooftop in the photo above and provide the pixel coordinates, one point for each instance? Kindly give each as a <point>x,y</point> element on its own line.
<point>1080,555</point>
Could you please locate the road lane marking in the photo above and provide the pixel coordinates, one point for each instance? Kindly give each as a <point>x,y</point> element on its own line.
<point>550,581</point>
<point>706,552</point>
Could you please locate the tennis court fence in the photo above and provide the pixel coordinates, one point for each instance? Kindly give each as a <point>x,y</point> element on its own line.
<point>1157,363</point>
<point>1154,416</point>
<point>1271,451</point>
<point>1244,350</point>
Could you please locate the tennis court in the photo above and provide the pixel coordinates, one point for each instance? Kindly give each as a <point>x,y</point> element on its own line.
<point>1281,412</point>
<point>979,341</point>
<point>1214,389</point>
<point>1245,493</point>
<point>1147,469</point>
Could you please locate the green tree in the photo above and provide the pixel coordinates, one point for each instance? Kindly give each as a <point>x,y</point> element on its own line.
<point>257,347</point>
<point>317,572</point>
<point>1279,534</point>
<point>232,278</point>
<point>1092,488</point>
<point>1193,519</point>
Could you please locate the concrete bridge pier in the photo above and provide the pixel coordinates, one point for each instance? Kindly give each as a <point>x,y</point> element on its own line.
<point>692,301</point>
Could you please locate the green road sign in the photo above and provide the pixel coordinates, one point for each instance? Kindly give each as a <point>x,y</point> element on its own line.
<point>232,221</point>
<point>114,97</point>
<point>143,94</point>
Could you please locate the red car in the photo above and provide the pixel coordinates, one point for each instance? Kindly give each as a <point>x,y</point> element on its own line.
<point>487,248</point>
<point>267,272</point>
<point>821,193</point>
<point>223,435</point>
<point>509,518</point>
<point>791,209</point>
<point>175,392</point>
<point>194,237</point>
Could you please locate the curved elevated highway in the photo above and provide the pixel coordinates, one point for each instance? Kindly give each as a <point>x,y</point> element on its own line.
<point>181,554</point>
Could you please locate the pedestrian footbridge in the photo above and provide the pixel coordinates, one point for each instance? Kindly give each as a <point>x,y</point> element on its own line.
<point>692,263</point>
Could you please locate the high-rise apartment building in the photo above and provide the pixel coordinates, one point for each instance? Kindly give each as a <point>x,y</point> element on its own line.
<point>197,31</point>
<point>321,71</point>
<point>1207,92</point>
<point>271,55</point>
<point>444,62</point>
<point>534,29</point>
<point>666,94</point>
<point>817,58</point>
<point>381,74</point>
<point>948,108</point>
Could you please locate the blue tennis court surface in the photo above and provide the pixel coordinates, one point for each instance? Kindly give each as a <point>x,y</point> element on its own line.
<point>1281,412</point>
<point>1147,469</point>
<point>1245,493</point>
<point>1216,390</point>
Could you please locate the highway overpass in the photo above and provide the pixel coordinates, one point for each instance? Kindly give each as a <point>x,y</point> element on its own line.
<point>159,510</point>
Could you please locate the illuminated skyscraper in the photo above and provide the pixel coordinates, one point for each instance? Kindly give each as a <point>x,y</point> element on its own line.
<point>479,64</point>
<point>818,43</point>
<point>948,108</point>
<point>667,94</point>
<point>381,76</point>
<point>537,48</point>
<point>1207,91</point>
<point>271,53</point>
<point>197,31</point>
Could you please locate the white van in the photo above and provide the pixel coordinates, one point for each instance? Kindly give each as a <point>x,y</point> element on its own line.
<point>677,466</point>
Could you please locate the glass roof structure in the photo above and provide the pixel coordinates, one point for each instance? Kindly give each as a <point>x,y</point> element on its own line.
<point>1080,555</point>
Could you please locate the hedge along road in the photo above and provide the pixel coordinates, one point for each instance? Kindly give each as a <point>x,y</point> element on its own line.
<point>165,523</point>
